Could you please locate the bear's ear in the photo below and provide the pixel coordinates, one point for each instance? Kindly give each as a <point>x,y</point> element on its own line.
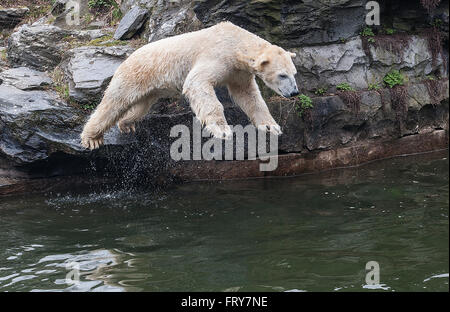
<point>292,54</point>
<point>260,62</point>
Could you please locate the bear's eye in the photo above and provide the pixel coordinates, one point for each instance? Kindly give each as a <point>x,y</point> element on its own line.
<point>282,76</point>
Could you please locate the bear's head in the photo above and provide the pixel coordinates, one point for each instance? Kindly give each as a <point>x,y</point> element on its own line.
<point>275,67</point>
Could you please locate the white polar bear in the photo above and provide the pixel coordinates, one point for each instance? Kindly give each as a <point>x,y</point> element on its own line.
<point>194,63</point>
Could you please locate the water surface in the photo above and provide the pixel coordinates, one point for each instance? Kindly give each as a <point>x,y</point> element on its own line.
<point>308,233</point>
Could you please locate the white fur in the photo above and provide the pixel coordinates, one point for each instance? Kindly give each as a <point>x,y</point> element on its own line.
<point>193,64</point>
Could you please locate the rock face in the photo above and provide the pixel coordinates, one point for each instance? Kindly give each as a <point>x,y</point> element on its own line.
<point>329,65</point>
<point>332,123</point>
<point>25,78</point>
<point>89,70</point>
<point>131,23</point>
<point>288,23</point>
<point>10,17</point>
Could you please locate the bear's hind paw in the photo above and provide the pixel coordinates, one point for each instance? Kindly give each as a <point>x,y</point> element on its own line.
<point>92,143</point>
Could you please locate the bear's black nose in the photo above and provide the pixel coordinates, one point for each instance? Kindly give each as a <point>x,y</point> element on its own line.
<point>295,93</point>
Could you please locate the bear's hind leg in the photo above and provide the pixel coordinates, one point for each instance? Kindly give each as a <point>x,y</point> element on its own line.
<point>127,123</point>
<point>105,116</point>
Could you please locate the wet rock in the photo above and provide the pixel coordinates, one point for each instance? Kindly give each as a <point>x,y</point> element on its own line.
<point>25,78</point>
<point>332,123</point>
<point>10,17</point>
<point>131,23</point>
<point>89,70</point>
<point>33,124</point>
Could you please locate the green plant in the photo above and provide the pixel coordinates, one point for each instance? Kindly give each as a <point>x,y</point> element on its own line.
<point>437,22</point>
<point>429,77</point>
<point>320,91</point>
<point>305,103</point>
<point>394,78</point>
<point>367,32</point>
<point>90,106</point>
<point>374,86</point>
<point>99,4</point>
<point>106,41</point>
<point>344,87</point>
<point>3,54</point>
<point>389,31</point>
<point>371,40</point>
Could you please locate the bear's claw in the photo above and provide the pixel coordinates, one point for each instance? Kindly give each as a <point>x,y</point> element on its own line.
<point>274,129</point>
<point>126,127</point>
<point>223,132</point>
<point>92,143</point>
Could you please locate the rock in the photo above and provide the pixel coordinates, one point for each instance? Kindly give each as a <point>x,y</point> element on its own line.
<point>89,70</point>
<point>414,60</point>
<point>42,46</point>
<point>25,78</point>
<point>288,23</point>
<point>10,17</point>
<point>131,23</point>
<point>39,46</point>
<point>33,124</point>
<point>58,7</point>
<point>332,123</point>
<point>329,65</point>
<point>172,19</point>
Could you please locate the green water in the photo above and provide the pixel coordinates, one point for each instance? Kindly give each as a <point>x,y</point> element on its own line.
<point>309,233</point>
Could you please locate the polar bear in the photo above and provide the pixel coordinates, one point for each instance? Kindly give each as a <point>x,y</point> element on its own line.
<point>193,64</point>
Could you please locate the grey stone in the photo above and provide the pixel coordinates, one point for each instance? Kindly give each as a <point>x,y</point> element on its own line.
<point>25,78</point>
<point>131,22</point>
<point>39,46</point>
<point>288,23</point>
<point>10,17</point>
<point>89,70</point>
<point>35,123</point>
<point>329,65</point>
<point>42,46</point>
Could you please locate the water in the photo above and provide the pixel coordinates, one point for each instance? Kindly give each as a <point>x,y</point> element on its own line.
<point>309,233</point>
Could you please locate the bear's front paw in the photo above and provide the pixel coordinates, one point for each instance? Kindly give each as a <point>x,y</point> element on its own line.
<point>275,129</point>
<point>91,143</point>
<point>126,127</point>
<point>220,132</point>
